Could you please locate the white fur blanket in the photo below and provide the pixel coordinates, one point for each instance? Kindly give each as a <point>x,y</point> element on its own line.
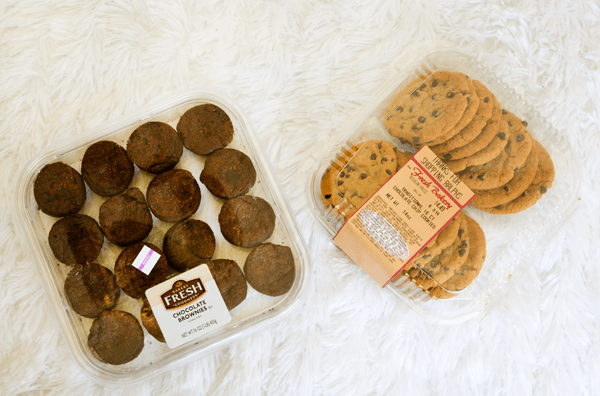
<point>300,69</point>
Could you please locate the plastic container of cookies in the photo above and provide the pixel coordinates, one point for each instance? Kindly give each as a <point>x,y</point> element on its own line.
<point>513,241</point>
<point>255,312</point>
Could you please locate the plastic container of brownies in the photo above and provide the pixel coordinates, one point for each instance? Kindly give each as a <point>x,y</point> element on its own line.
<point>257,309</point>
<point>510,235</point>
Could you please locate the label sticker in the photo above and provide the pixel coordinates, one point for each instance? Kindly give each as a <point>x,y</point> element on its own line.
<point>188,306</point>
<point>146,260</point>
<point>400,219</point>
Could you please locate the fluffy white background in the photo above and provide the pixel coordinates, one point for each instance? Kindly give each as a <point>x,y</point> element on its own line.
<point>300,69</point>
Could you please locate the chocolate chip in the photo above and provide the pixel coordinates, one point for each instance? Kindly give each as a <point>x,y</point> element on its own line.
<point>505,188</point>
<point>520,138</point>
<point>363,176</point>
<point>389,172</point>
<point>340,182</point>
<point>383,159</point>
<point>416,139</point>
<point>481,177</point>
<point>460,232</point>
<point>516,171</point>
<point>342,174</point>
<point>373,156</point>
<point>379,145</point>
<point>353,195</point>
<point>509,123</point>
<point>341,195</point>
<point>434,263</point>
<point>524,123</point>
<point>434,83</point>
<point>463,244</point>
<point>434,97</point>
<point>415,127</point>
<point>503,111</point>
<point>486,99</point>
<point>401,126</point>
<point>543,189</point>
<point>411,109</point>
<point>447,156</point>
<point>426,256</point>
<point>499,206</point>
<point>502,135</point>
<point>470,177</point>
<point>450,94</point>
<point>435,113</point>
<point>468,100</point>
<point>446,269</point>
<point>327,196</point>
<point>462,252</point>
<point>415,93</point>
<point>421,119</point>
<point>400,109</point>
<point>422,87</point>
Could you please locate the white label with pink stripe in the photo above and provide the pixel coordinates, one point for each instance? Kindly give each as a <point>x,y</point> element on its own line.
<point>146,260</point>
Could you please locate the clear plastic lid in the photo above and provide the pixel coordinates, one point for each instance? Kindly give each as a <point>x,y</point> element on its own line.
<point>508,242</point>
<point>254,312</point>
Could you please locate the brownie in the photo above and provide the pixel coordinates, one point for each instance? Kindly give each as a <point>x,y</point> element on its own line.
<point>230,281</point>
<point>174,195</point>
<point>155,147</point>
<point>106,168</point>
<point>116,337</point>
<point>270,269</point>
<point>204,129</point>
<point>125,218</point>
<point>247,221</point>
<point>59,190</point>
<point>133,281</point>
<point>76,239</point>
<point>150,323</point>
<point>188,244</point>
<point>91,289</point>
<point>228,173</point>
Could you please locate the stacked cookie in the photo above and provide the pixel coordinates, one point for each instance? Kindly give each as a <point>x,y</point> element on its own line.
<point>489,148</point>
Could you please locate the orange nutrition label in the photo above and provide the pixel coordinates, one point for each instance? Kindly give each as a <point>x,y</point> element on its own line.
<point>400,219</point>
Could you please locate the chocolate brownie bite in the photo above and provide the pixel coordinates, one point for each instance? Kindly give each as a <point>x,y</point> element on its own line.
<point>230,280</point>
<point>247,221</point>
<point>76,239</point>
<point>174,195</point>
<point>125,218</point>
<point>116,337</point>
<point>133,281</point>
<point>91,289</point>
<point>155,147</point>
<point>204,129</point>
<point>149,322</point>
<point>228,173</point>
<point>59,190</point>
<point>106,168</point>
<point>188,244</point>
<point>270,269</point>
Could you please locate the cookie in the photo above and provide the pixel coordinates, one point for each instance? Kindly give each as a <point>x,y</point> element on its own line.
<point>76,239</point>
<point>154,147</point>
<point>464,275</point>
<point>440,267</point>
<point>505,166</point>
<point>539,186</point>
<point>228,173</point>
<point>491,151</point>
<point>59,190</point>
<point>133,281</point>
<point>511,190</point>
<point>106,168</point>
<point>173,195</point>
<point>230,280</point>
<point>116,337</point>
<point>491,130</point>
<point>473,128</point>
<point>247,221</point>
<point>205,129</point>
<point>429,111</point>
<point>188,244</point>
<point>125,218</point>
<point>467,117</point>
<point>330,194</point>
<point>270,269</point>
<point>150,323</point>
<point>91,289</point>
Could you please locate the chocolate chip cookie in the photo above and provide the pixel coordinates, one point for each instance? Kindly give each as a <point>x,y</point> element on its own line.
<point>429,111</point>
